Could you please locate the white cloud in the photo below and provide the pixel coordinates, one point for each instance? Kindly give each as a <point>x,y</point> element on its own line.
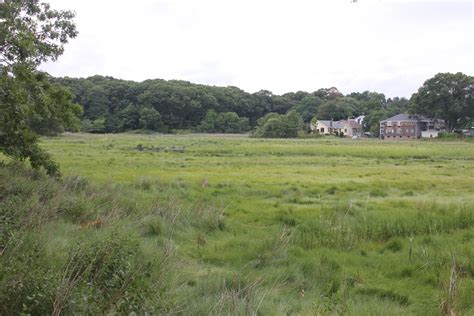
<point>387,46</point>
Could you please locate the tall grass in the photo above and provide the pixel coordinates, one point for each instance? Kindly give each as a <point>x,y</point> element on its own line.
<point>338,229</point>
<point>239,226</point>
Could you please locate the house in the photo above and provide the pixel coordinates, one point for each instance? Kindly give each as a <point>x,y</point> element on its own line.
<point>349,128</point>
<point>409,126</point>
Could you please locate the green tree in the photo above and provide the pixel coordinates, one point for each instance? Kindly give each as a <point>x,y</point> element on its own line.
<point>372,121</point>
<point>150,119</point>
<point>228,122</point>
<point>208,124</point>
<point>338,108</point>
<point>446,96</point>
<point>30,33</point>
<point>129,118</point>
<point>60,113</point>
<point>308,107</point>
<point>275,125</point>
<point>368,102</point>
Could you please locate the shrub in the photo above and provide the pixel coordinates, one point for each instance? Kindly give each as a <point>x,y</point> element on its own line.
<point>378,193</point>
<point>228,122</point>
<point>28,283</point>
<point>394,245</point>
<point>103,274</point>
<point>153,227</point>
<point>274,125</point>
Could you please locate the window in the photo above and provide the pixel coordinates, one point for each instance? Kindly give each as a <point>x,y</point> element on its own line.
<point>322,129</point>
<point>345,130</point>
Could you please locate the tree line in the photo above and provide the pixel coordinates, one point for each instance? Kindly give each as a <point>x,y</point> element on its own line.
<point>112,105</point>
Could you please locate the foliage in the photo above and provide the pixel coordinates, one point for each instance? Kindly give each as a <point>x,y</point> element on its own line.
<point>228,122</point>
<point>275,125</point>
<point>447,96</point>
<point>307,107</point>
<point>150,119</point>
<point>338,109</point>
<point>95,126</point>
<point>183,105</point>
<point>30,33</point>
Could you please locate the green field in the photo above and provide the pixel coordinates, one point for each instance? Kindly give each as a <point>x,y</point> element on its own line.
<point>237,225</point>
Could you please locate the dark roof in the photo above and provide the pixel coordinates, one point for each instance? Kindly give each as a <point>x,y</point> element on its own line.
<point>404,117</point>
<point>340,124</point>
<point>411,118</point>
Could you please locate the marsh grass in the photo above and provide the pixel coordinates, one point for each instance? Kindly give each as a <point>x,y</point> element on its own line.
<point>199,224</point>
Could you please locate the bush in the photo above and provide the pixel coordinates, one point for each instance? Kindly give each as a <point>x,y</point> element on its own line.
<point>228,122</point>
<point>104,274</point>
<point>28,283</point>
<point>394,245</point>
<point>448,136</point>
<point>274,125</point>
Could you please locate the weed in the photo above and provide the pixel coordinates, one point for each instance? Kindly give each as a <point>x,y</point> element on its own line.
<point>394,245</point>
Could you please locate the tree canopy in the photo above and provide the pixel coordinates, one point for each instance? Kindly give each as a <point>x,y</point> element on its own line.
<point>184,105</point>
<point>31,33</point>
<point>274,125</point>
<point>447,96</point>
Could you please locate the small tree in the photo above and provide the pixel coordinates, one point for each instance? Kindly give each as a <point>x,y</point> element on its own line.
<point>208,124</point>
<point>150,119</point>
<point>228,122</point>
<point>129,118</point>
<point>274,125</point>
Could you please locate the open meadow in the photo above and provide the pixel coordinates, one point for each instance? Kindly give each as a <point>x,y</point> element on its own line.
<point>204,224</point>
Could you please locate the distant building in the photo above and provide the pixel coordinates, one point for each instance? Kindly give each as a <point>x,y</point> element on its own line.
<point>349,128</point>
<point>409,126</point>
<point>360,119</point>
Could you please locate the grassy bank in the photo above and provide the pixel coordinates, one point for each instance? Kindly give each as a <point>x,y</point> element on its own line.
<point>204,224</point>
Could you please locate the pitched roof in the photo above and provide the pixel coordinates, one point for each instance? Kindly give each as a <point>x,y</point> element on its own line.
<point>404,117</point>
<point>352,123</point>
<point>341,124</point>
<point>325,122</point>
<point>412,118</point>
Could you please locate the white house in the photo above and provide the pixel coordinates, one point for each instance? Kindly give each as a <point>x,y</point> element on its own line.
<point>349,128</point>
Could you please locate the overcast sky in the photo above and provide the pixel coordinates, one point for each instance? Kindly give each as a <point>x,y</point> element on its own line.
<point>378,45</point>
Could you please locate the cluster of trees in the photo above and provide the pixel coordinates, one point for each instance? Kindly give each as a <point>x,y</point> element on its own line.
<point>113,105</point>
<point>180,104</point>
<point>449,97</point>
<point>227,122</point>
<point>274,125</point>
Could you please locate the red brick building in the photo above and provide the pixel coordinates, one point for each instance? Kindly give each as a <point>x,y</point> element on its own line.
<point>409,126</point>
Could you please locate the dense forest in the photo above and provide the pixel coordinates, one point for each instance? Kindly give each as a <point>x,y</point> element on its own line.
<point>112,105</point>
